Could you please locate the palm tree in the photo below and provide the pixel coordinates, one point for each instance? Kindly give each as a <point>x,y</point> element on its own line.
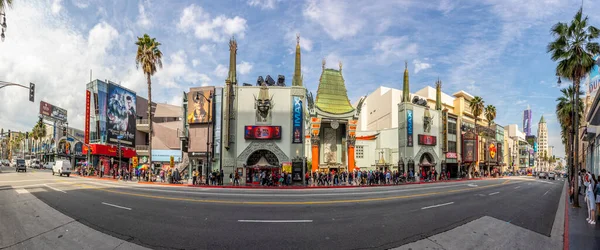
<point>148,57</point>
<point>564,111</point>
<point>490,114</point>
<point>477,105</point>
<point>574,49</point>
<point>4,4</point>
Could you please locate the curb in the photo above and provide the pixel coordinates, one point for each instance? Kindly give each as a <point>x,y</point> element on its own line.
<point>566,230</point>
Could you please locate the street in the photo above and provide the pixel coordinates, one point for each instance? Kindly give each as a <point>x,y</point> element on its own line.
<point>167,217</point>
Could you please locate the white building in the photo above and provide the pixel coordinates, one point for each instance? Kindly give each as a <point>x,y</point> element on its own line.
<point>543,144</point>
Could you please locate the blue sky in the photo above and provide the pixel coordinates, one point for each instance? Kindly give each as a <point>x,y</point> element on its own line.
<point>494,48</point>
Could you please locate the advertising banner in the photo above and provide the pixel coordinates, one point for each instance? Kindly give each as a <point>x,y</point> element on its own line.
<point>199,110</point>
<point>427,140</point>
<point>87,117</point>
<point>262,132</point>
<point>53,112</point>
<point>469,149</point>
<point>297,120</point>
<point>217,128</point>
<point>165,155</point>
<point>121,115</point>
<point>444,131</point>
<point>500,153</point>
<point>409,128</point>
<point>492,151</point>
<point>593,79</point>
<point>100,102</point>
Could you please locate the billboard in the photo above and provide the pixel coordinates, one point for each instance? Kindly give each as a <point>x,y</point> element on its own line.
<point>53,112</point>
<point>262,132</point>
<point>428,140</point>
<point>469,149</point>
<point>199,110</point>
<point>121,115</point>
<point>409,128</point>
<point>297,134</point>
<point>87,117</point>
<point>165,155</point>
<point>100,110</point>
<point>593,79</point>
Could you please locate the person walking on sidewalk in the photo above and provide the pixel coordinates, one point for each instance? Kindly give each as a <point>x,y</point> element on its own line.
<point>589,197</point>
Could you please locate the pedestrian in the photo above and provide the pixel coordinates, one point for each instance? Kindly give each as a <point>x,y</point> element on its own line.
<point>579,181</point>
<point>237,179</point>
<point>194,177</point>
<point>597,192</point>
<point>590,198</point>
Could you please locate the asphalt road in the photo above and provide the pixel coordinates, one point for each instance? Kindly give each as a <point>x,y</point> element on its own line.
<point>350,218</point>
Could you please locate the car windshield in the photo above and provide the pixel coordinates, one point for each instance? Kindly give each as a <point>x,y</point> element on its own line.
<point>19,161</point>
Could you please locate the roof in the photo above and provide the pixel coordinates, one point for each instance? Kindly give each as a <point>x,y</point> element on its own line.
<point>332,96</point>
<point>167,110</point>
<point>542,120</point>
<point>463,94</point>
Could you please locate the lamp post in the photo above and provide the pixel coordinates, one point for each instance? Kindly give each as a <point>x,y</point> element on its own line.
<point>208,133</point>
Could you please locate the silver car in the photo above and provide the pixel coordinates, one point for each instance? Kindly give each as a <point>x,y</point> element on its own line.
<point>551,175</point>
<point>542,175</point>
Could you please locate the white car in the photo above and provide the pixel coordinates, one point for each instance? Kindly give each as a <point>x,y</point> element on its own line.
<point>551,175</point>
<point>62,167</point>
<point>49,165</point>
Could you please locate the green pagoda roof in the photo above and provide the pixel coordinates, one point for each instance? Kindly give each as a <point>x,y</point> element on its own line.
<point>542,120</point>
<point>332,96</point>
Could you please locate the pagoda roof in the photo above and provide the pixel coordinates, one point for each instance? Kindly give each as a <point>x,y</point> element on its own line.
<point>542,120</point>
<point>332,96</point>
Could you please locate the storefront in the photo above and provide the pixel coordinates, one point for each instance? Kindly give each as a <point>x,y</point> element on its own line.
<point>107,156</point>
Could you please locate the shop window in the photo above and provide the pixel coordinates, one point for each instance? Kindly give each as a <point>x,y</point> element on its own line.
<point>359,151</point>
<point>452,146</point>
<point>451,127</point>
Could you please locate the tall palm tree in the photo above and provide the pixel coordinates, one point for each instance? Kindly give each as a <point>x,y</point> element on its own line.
<point>574,49</point>
<point>490,114</point>
<point>477,105</point>
<point>4,4</point>
<point>148,57</point>
<point>564,112</point>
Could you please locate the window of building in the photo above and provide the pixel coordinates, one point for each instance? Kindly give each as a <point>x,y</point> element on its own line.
<point>452,146</point>
<point>451,127</point>
<point>359,151</point>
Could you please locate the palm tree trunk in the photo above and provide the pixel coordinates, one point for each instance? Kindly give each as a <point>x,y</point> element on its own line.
<point>150,122</point>
<point>575,152</point>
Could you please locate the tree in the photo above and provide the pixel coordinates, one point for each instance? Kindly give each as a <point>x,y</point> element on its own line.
<point>4,4</point>
<point>490,114</point>
<point>476,104</point>
<point>148,57</point>
<point>574,49</point>
<point>38,133</point>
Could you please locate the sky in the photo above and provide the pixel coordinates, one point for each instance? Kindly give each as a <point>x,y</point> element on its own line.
<point>495,49</point>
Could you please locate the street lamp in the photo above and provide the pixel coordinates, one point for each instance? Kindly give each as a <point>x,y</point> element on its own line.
<point>209,99</point>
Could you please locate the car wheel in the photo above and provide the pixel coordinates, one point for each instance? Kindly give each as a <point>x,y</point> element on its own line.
<point>52,172</point>
<point>68,175</point>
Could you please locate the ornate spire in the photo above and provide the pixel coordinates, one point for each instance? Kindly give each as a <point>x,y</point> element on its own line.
<point>297,79</point>
<point>405,88</point>
<point>340,66</point>
<point>323,66</point>
<point>232,78</point>
<point>438,95</point>
<point>542,120</point>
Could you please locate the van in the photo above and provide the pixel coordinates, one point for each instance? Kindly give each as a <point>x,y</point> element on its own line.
<point>20,165</point>
<point>62,167</point>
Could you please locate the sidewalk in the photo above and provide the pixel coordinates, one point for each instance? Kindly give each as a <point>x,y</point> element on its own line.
<point>186,183</point>
<point>582,235</point>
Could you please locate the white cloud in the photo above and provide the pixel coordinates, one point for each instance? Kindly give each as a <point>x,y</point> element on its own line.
<point>334,17</point>
<point>82,4</point>
<point>208,49</point>
<point>263,4</point>
<point>420,65</point>
<point>56,6</point>
<point>446,6</point>
<point>244,68</point>
<point>218,29</point>
<point>395,48</point>
<point>195,62</point>
<point>143,20</point>
<point>176,71</point>
<point>221,71</point>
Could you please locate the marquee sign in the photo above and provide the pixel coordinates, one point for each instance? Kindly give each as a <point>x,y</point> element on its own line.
<point>262,132</point>
<point>469,148</point>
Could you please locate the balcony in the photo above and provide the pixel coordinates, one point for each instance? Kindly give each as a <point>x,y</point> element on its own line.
<point>142,125</point>
<point>142,149</point>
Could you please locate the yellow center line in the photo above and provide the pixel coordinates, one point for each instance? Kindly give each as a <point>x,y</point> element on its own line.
<point>106,189</point>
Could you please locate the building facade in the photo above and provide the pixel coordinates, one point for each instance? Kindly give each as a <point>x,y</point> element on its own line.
<point>543,149</point>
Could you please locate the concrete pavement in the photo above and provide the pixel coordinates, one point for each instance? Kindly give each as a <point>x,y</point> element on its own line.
<point>383,217</point>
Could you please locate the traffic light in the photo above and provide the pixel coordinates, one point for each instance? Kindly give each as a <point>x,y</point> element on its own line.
<point>64,131</point>
<point>31,92</point>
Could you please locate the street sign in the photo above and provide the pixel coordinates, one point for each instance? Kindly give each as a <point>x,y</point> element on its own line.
<point>172,162</point>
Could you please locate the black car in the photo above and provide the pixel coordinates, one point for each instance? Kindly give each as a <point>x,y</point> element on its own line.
<point>21,165</point>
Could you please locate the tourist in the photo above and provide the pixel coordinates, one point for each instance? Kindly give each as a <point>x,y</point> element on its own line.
<point>590,198</point>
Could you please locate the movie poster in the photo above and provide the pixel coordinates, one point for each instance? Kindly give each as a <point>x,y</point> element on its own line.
<point>199,110</point>
<point>101,111</point>
<point>121,115</point>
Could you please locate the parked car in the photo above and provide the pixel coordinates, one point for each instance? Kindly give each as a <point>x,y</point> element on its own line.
<point>13,163</point>
<point>62,167</point>
<point>35,163</point>
<point>20,165</point>
<point>543,175</point>
<point>49,165</point>
<point>551,175</point>
<point>5,162</point>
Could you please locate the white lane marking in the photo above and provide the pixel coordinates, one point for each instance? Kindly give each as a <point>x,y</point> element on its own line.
<point>439,205</point>
<point>472,185</point>
<point>494,193</point>
<point>55,189</point>
<point>546,193</point>
<point>29,180</point>
<point>276,221</point>
<point>517,187</point>
<point>21,191</point>
<point>117,206</point>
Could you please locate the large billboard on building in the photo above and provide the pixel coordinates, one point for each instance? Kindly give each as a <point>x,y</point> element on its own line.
<point>527,122</point>
<point>297,120</point>
<point>53,112</point>
<point>121,115</point>
<point>469,148</point>
<point>262,132</point>
<point>100,111</point>
<point>199,110</point>
<point>593,79</point>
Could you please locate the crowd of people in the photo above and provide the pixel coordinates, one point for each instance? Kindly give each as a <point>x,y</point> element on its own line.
<point>591,192</point>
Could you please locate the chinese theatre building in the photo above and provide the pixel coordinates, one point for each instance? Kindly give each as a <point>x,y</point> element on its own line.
<point>419,132</point>
<point>262,126</point>
<point>333,123</point>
